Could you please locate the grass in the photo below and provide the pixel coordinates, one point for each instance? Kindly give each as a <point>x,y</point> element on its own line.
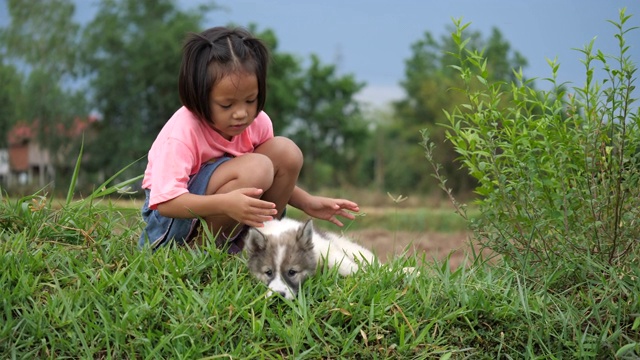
<point>74,284</point>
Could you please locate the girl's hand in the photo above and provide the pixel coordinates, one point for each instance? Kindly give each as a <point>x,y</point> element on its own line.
<point>328,209</point>
<point>244,207</point>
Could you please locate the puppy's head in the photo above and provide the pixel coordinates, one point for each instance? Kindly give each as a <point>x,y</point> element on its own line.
<point>283,261</point>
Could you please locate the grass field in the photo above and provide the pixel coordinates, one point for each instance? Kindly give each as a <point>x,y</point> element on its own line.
<point>73,284</point>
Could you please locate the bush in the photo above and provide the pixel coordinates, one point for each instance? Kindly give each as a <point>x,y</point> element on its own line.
<point>558,190</point>
<point>557,170</point>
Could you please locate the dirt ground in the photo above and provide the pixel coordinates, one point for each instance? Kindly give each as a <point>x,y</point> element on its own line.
<point>433,245</point>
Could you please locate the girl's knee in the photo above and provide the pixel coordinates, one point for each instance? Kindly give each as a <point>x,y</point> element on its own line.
<point>248,170</point>
<point>257,169</point>
<point>283,152</point>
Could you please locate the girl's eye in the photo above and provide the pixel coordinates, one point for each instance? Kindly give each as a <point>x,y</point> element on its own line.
<point>292,272</point>
<point>251,101</point>
<point>225,106</point>
<point>268,272</point>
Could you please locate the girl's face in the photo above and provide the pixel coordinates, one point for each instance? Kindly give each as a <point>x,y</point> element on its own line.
<point>234,103</point>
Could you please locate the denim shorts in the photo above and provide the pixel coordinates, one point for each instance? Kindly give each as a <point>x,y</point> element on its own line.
<point>161,230</point>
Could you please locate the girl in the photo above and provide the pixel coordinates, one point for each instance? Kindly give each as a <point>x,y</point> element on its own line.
<point>217,158</point>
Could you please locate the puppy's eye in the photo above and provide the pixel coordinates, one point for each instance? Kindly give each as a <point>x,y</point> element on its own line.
<point>268,272</point>
<point>292,272</point>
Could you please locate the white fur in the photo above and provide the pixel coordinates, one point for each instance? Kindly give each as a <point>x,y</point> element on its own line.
<point>278,285</point>
<point>331,249</point>
<point>334,249</point>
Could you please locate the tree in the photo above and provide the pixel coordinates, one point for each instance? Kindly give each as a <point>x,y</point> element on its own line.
<point>42,35</point>
<point>10,95</point>
<point>132,54</point>
<point>41,42</point>
<point>315,108</point>
<point>430,77</point>
<point>285,75</point>
<point>328,125</point>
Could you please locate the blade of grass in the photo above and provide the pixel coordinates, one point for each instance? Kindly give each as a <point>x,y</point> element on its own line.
<point>76,171</point>
<point>103,190</point>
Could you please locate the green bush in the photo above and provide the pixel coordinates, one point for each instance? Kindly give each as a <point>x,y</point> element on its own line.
<point>558,190</point>
<point>557,170</point>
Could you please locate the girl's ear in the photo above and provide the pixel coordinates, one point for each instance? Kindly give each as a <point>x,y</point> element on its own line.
<point>255,241</point>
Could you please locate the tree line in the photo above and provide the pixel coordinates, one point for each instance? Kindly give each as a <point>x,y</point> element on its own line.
<point>122,65</point>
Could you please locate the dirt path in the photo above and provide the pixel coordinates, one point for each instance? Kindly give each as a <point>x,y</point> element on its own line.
<point>433,245</point>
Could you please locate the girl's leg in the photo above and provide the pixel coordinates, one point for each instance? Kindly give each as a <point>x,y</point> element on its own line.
<point>273,167</point>
<point>287,161</point>
<point>249,170</point>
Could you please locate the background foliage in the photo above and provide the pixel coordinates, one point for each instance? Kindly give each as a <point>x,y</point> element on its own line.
<point>38,57</point>
<point>122,66</point>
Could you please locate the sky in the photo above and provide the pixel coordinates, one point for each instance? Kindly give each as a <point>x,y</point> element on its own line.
<point>371,39</point>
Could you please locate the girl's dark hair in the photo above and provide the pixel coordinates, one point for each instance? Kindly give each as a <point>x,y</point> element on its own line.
<point>213,54</point>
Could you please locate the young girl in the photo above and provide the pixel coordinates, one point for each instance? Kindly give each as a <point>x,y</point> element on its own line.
<point>217,158</point>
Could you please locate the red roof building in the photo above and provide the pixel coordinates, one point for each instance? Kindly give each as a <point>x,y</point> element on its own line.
<point>29,162</point>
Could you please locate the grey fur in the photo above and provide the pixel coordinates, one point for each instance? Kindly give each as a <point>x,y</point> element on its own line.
<point>296,248</point>
<point>284,253</point>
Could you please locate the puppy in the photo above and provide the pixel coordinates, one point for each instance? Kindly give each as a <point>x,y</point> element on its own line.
<point>284,253</point>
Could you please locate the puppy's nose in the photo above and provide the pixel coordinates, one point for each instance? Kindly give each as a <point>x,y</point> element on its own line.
<point>282,293</point>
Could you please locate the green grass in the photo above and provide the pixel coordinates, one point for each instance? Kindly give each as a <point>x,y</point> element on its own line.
<point>74,284</point>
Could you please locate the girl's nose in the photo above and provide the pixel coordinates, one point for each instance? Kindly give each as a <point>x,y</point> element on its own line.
<point>240,113</point>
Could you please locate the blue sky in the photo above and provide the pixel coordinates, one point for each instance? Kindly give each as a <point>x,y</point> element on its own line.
<point>372,38</point>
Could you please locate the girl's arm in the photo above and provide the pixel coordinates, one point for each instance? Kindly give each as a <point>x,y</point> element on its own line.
<point>323,207</point>
<point>299,197</point>
<point>240,205</point>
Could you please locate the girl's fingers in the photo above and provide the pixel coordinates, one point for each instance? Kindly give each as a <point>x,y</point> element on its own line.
<point>346,214</point>
<point>257,221</point>
<point>261,214</point>
<point>258,206</point>
<point>261,204</point>
<point>352,207</point>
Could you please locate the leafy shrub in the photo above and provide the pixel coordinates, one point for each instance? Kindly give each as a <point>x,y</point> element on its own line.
<point>557,170</point>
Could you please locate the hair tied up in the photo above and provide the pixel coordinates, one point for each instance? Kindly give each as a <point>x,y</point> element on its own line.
<point>213,54</point>
<point>210,42</point>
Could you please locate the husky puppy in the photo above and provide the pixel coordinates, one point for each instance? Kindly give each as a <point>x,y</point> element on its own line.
<point>283,253</point>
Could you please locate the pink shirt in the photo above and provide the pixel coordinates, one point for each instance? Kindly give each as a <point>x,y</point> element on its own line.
<point>185,143</point>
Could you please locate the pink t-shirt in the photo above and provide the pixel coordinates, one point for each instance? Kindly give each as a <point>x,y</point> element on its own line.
<point>185,143</point>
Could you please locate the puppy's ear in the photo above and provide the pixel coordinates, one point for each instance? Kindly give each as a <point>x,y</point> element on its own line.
<point>255,241</point>
<point>305,235</point>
